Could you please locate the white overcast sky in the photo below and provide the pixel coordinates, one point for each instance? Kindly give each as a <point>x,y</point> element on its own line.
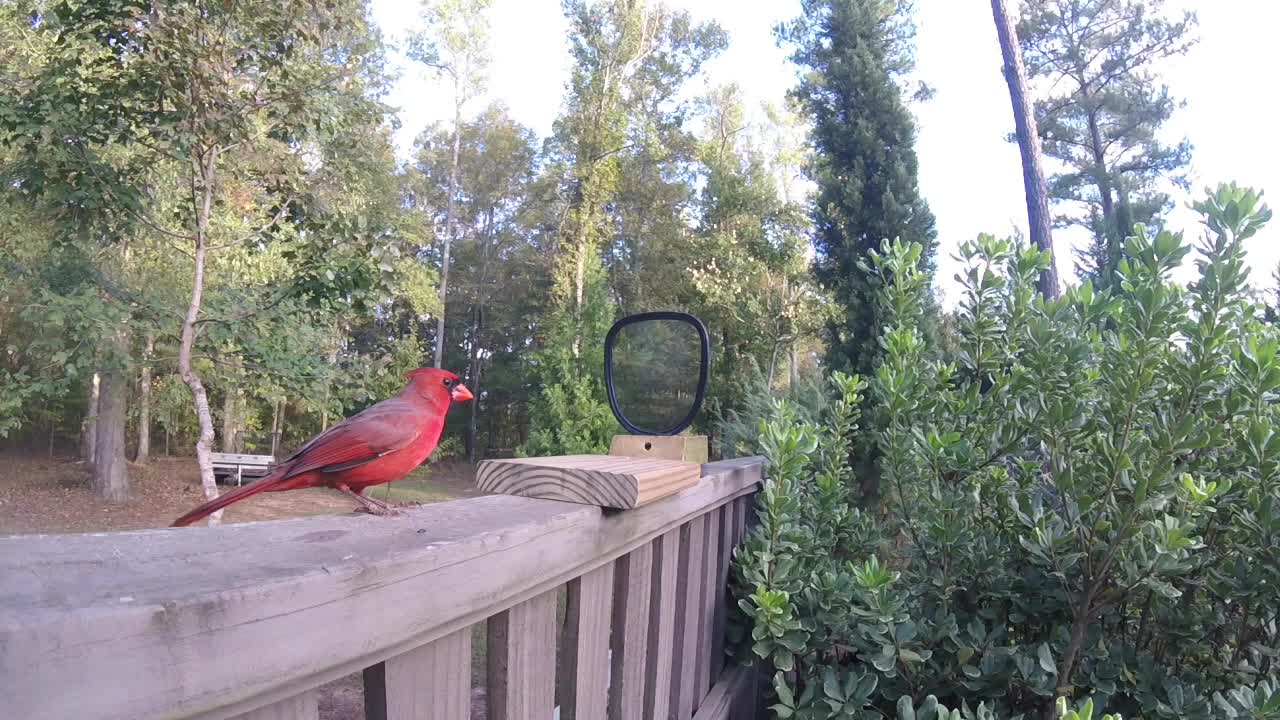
<point>969,174</point>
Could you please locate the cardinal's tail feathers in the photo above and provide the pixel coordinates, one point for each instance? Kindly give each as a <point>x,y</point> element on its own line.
<point>227,498</point>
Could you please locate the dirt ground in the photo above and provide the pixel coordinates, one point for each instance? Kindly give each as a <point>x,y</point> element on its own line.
<point>51,496</point>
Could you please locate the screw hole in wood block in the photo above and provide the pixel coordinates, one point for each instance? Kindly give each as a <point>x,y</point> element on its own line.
<point>686,448</point>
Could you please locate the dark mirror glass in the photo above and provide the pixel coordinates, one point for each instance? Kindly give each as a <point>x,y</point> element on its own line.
<point>656,371</point>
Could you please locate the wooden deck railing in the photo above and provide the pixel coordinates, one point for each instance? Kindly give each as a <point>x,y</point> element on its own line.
<point>248,620</point>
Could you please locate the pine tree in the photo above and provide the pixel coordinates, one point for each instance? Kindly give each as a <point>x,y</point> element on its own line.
<point>1103,112</point>
<point>854,53</point>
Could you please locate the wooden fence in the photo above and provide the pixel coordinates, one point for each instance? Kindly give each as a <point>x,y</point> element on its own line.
<point>247,621</point>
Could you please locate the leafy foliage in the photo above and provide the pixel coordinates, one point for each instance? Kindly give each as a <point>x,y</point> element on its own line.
<point>1081,500</point>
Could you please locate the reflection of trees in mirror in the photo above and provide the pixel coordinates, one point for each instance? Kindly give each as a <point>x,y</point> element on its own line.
<point>655,372</point>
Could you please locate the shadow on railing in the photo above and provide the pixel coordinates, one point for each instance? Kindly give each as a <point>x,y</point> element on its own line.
<point>248,620</point>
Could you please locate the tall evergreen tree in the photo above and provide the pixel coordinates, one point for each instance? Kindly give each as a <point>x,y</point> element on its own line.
<point>1103,111</point>
<point>854,54</point>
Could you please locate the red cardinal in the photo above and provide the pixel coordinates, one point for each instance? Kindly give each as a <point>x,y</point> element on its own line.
<point>378,445</point>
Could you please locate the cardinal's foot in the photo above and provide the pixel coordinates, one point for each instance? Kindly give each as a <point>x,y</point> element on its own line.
<point>379,511</point>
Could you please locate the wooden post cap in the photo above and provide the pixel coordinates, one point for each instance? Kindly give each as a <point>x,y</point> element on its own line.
<point>601,480</point>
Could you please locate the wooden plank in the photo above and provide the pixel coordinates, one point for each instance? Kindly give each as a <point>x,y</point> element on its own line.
<point>433,681</point>
<point>727,699</point>
<point>707,603</point>
<point>214,622</point>
<point>633,577</point>
<point>662,613</point>
<point>688,620</point>
<point>584,654</point>
<point>720,597</point>
<point>299,707</point>
<point>522,660</point>
<point>686,448</point>
<point>739,508</point>
<point>601,480</point>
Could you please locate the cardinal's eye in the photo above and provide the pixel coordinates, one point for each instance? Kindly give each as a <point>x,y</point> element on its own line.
<point>448,383</point>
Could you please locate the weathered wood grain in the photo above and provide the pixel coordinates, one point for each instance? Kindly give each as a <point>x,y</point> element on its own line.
<point>686,448</point>
<point>720,595</point>
<point>584,656</point>
<point>662,622</point>
<point>299,707</point>
<point>433,681</point>
<point>602,480</point>
<point>688,619</point>
<point>214,622</point>
<point>522,660</point>
<point>707,603</point>
<point>633,577</point>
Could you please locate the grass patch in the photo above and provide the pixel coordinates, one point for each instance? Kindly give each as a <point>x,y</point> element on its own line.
<point>420,486</point>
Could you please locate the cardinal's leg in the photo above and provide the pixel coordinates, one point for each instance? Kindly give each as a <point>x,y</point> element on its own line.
<point>375,501</point>
<point>373,507</point>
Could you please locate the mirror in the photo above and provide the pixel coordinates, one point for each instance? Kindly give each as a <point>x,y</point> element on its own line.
<point>656,369</point>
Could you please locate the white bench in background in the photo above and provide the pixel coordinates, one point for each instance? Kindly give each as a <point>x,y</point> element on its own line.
<point>241,466</point>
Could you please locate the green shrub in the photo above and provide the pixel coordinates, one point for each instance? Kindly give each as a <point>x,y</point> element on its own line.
<point>569,419</point>
<point>737,429</point>
<point>1082,501</point>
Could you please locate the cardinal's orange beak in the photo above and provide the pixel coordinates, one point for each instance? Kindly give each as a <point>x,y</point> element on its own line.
<point>461,393</point>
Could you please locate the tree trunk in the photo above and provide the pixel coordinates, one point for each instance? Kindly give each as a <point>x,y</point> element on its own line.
<point>1067,666</point>
<point>579,285</point>
<point>450,206</point>
<point>1024,123</point>
<point>474,379</point>
<point>110,473</point>
<point>204,168</point>
<point>328,385</point>
<point>230,421</point>
<point>144,404</point>
<point>89,434</point>
<point>1113,232</point>
<point>277,420</point>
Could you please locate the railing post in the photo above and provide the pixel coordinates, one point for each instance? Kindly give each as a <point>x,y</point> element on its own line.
<point>662,614</point>
<point>522,660</point>
<point>433,681</point>
<point>688,631</point>
<point>633,577</point>
<point>584,657</point>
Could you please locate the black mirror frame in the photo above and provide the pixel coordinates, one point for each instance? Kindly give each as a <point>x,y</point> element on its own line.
<point>704,369</point>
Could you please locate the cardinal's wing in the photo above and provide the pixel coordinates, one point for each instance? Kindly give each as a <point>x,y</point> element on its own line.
<point>384,428</point>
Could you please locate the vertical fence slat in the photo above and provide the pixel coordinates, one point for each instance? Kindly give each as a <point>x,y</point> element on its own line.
<point>431,681</point>
<point>522,660</point>
<point>724,555</point>
<point>740,517</point>
<point>299,707</point>
<point>707,603</point>
<point>688,600</point>
<point>584,654</point>
<point>662,614</point>
<point>633,577</point>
